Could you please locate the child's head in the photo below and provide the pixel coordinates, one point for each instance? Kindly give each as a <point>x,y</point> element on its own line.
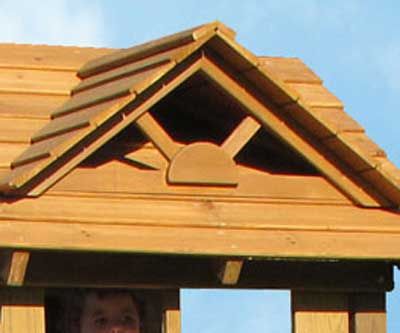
<point>107,311</point>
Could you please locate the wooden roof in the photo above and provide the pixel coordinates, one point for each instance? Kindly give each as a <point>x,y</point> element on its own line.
<point>61,105</point>
<point>109,84</point>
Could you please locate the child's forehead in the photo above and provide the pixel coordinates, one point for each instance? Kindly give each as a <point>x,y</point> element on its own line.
<point>96,302</point>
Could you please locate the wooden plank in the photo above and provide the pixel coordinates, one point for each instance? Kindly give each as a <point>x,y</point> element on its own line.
<point>19,130</point>
<point>22,310</point>
<point>266,116</point>
<point>323,122</point>
<point>229,272</point>
<point>46,148</point>
<point>94,115</point>
<point>204,211</point>
<point>113,89</point>
<point>172,321</point>
<point>123,176</point>
<point>148,49</point>
<point>40,106</point>
<point>324,312</point>
<point>157,135</point>
<point>37,81</point>
<point>125,70</point>
<point>316,95</point>
<point>202,163</point>
<point>161,91</point>
<point>9,152</point>
<point>48,57</point>
<point>240,136</point>
<point>17,269</point>
<point>357,149</point>
<point>290,70</point>
<point>207,240</point>
<point>386,177</point>
<point>3,172</point>
<point>369,313</point>
<point>132,270</point>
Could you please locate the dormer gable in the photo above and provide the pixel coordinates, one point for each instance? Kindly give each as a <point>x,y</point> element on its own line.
<point>241,101</point>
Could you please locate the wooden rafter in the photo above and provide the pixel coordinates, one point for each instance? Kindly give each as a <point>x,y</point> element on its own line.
<point>240,136</point>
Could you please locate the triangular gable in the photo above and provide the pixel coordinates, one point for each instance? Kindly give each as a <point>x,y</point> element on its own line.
<point>119,89</point>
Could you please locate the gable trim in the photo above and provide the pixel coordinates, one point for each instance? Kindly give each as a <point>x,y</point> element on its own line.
<point>267,117</point>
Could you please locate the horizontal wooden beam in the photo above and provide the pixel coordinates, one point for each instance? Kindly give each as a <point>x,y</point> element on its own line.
<point>165,271</point>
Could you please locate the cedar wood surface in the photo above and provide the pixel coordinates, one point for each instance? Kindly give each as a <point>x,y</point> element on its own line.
<point>282,220</point>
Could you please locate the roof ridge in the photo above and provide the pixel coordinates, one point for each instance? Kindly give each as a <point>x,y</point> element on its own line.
<point>147,49</point>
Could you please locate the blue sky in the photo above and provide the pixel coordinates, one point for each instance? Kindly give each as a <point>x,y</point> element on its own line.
<point>354,46</point>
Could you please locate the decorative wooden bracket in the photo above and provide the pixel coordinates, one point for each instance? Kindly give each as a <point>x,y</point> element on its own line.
<point>14,267</point>
<point>200,163</point>
<point>229,272</point>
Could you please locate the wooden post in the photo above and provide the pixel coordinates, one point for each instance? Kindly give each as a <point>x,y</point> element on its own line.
<point>22,310</point>
<point>368,313</point>
<point>320,312</point>
<point>171,313</point>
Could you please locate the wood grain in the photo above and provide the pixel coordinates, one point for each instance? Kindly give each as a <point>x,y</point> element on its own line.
<point>230,270</point>
<point>48,57</point>
<point>40,106</point>
<point>16,130</point>
<point>201,240</point>
<point>18,266</point>
<point>240,136</point>
<point>202,163</point>
<point>268,118</point>
<point>159,137</point>
<point>290,70</point>
<point>316,95</point>
<point>37,81</point>
<point>315,313</point>
<point>22,310</point>
<point>172,321</point>
<point>369,313</point>
<point>9,152</point>
<point>179,77</point>
<point>123,176</point>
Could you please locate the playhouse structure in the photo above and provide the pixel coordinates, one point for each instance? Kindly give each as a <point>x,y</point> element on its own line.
<point>188,162</point>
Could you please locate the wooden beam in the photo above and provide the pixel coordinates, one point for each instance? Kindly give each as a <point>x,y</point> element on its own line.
<point>368,313</point>
<point>229,273</point>
<point>124,270</point>
<point>320,312</point>
<point>266,115</point>
<point>171,312</point>
<point>22,310</point>
<point>240,136</point>
<point>172,321</point>
<point>157,135</point>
